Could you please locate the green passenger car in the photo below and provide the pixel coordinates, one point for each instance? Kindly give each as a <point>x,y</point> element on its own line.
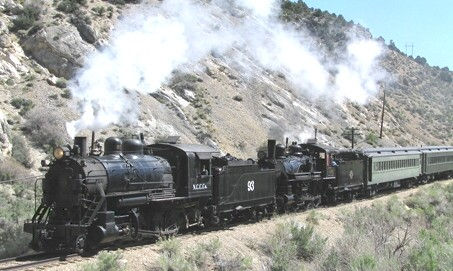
<point>388,166</point>
<point>437,160</point>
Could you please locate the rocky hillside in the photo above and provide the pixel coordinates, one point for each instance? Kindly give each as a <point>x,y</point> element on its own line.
<point>43,43</point>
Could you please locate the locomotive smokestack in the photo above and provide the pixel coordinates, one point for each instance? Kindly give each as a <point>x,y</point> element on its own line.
<point>81,142</point>
<point>142,138</point>
<point>92,142</point>
<point>271,148</point>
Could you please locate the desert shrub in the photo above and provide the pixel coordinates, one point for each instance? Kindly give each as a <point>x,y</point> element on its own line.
<point>291,242</point>
<point>70,6</point>
<point>431,203</point>
<point>61,83</point>
<point>172,257</point>
<point>45,128</point>
<point>182,82</point>
<point>373,238</point>
<point>434,247</point>
<point>175,262</point>
<point>238,98</point>
<point>372,138</point>
<point>392,46</point>
<point>118,2</point>
<point>13,240</point>
<point>99,10</point>
<point>420,60</point>
<point>307,242</point>
<point>106,261</point>
<point>202,252</point>
<point>110,12</point>
<point>203,256</point>
<point>282,252</point>
<point>431,254</point>
<point>66,94</point>
<point>27,17</point>
<point>10,169</point>
<point>380,223</point>
<point>331,262</point>
<point>170,246</point>
<point>24,105</point>
<point>20,150</point>
<point>445,76</point>
<point>313,217</point>
<point>237,262</point>
<point>17,200</point>
<point>363,262</point>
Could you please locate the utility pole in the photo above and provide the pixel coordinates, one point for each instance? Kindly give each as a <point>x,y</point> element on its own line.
<point>410,46</point>
<point>350,134</point>
<point>382,116</point>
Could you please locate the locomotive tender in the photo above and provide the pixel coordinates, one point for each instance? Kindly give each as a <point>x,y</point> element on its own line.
<point>137,191</point>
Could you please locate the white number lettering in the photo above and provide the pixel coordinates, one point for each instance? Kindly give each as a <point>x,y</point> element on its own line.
<point>250,186</point>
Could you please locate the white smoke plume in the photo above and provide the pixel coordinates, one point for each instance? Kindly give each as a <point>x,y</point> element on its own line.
<point>154,40</point>
<point>357,78</point>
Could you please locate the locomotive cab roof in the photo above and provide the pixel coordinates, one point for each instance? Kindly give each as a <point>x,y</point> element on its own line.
<point>201,151</point>
<point>319,147</point>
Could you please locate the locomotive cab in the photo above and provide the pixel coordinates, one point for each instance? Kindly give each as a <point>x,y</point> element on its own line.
<point>191,167</point>
<point>323,158</point>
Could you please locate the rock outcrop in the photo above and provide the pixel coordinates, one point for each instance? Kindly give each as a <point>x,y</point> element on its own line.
<point>5,144</point>
<point>59,48</point>
<point>11,54</point>
<point>86,31</point>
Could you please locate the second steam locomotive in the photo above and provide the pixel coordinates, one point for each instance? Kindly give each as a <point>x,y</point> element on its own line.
<point>136,191</point>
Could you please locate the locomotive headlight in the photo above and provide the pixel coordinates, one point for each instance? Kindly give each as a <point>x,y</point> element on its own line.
<point>58,153</point>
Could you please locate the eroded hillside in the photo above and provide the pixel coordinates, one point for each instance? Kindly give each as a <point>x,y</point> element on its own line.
<point>44,43</point>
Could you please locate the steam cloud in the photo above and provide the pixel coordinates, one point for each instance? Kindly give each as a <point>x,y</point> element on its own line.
<point>154,40</point>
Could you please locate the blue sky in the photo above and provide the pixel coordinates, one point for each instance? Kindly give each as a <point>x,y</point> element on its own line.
<point>426,24</point>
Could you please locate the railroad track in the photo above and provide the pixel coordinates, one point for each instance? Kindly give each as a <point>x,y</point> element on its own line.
<point>32,261</point>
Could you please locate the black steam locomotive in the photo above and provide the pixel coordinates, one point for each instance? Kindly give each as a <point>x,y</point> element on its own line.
<point>136,191</point>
